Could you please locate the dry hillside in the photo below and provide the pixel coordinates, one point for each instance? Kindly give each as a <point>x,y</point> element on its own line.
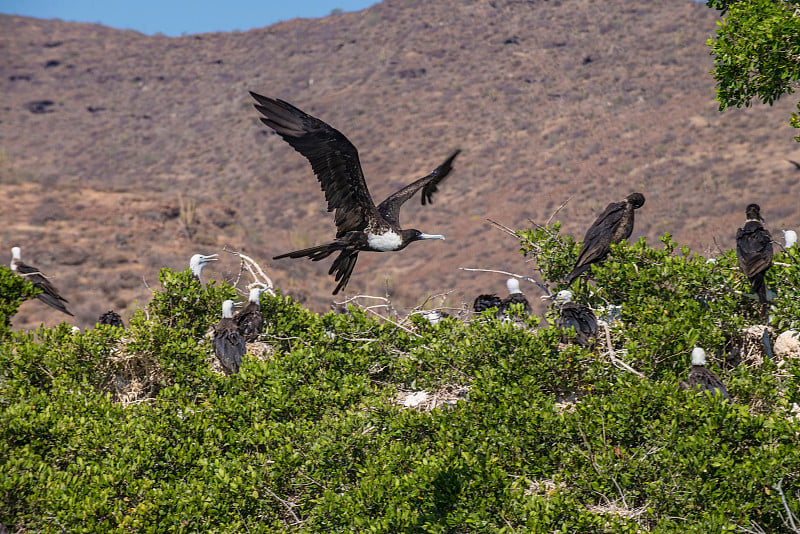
<point>122,153</point>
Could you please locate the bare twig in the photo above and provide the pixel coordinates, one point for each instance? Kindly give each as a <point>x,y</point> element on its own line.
<point>611,353</point>
<point>420,308</point>
<point>260,279</point>
<point>303,474</point>
<point>553,236</point>
<point>549,219</point>
<point>398,325</point>
<point>719,248</point>
<point>504,228</point>
<point>789,513</point>
<point>289,506</point>
<point>356,297</point>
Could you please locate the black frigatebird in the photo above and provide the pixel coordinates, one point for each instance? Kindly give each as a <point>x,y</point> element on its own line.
<point>754,252</point>
<point>515,296</point>
<point>49,294</point>
<point>360,225</point>
<point>250,319</point>
<point>612,226</point>
<point>702,378</point>
<point>229,343</point>
<point>578,317</point>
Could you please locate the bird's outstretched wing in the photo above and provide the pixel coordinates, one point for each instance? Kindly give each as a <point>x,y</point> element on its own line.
<point>49,294</point>
<point>333,158</point>
<point>390,208</point>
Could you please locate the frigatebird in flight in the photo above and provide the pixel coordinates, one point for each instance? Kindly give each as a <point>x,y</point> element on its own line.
<point>360,224</point>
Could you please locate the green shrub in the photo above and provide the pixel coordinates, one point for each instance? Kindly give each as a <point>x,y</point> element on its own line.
<point>312,435</point>
<point>14,290</point>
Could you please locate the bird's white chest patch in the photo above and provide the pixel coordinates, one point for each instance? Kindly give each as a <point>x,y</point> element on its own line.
<point>384,242</point>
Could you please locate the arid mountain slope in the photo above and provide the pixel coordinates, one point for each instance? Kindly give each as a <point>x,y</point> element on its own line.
<point>123,153</point>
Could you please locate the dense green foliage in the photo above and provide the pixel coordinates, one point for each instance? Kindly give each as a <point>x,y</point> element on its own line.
<point>310,436</point>
<point>757,51</point>
<point>14,290</point>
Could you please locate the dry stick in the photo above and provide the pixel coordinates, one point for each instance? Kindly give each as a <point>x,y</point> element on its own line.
<point>504,228</point>
<point>513,233</point>
<point>719,248</point>
<point>526,278</point>
<point>557,210</point>
<point>287,504</point>
<point>612,354</point>
<point>258,276</point>
<point>351,299</point>
<point>394,323</point>
<point>304,474</point>
<point>443,296</point>
<point>369,309</point>
<point>590,456</point>
<point>778,488</point>
<point>348,300</point>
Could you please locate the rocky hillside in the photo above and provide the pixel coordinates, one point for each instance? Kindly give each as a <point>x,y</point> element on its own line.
<point>122,153</point>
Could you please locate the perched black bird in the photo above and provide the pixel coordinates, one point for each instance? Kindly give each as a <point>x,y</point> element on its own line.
<point>249,319</point>
<point>49,294</point>
<point>111,317</point>
<point>754,252</point>
<point>199,261</point>
<point>229,343</point>
<point>484,302</point>
<point>612,226</point>
<point>702,378</point>
<point>578,317</point>
<point>515,296</point>
<point>360,225</point>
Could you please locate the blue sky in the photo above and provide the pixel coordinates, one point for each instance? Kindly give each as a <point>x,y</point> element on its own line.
<point>176,17</point>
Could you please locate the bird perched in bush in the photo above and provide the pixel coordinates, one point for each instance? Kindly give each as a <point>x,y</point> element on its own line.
<point>111,318</point>
<point>754,252</point>
<point>578,317</point>
<point>515,296</point>
<point>702,378</point>
<point>486,301</point>
<point>612,226</point>
<point>249,319</point>
<point>199,261</point>
<point>228,341</point>
<point>49,294</point>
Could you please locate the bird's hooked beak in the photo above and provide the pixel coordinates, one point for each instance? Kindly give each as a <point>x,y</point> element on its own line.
<point>209,258</point>
<point>430,236</point>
